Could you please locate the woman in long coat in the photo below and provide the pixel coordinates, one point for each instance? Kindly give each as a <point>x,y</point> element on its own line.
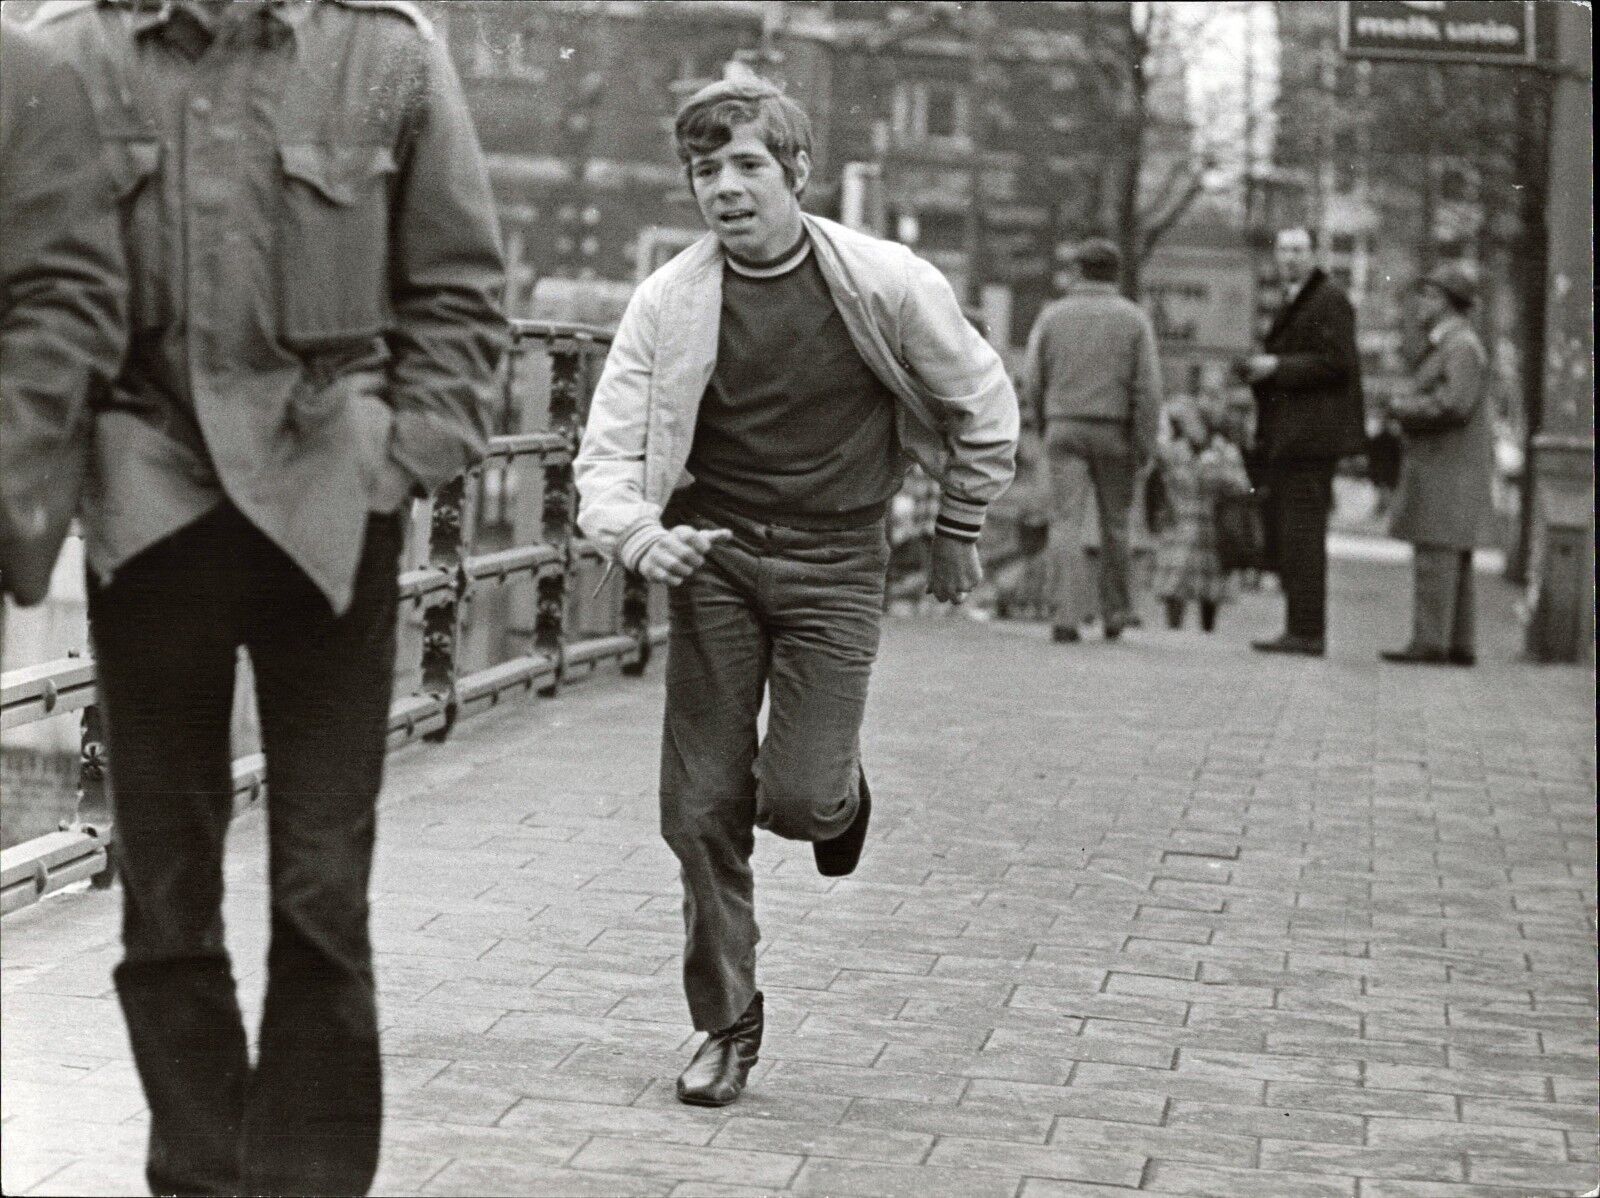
<point>1445,497</point>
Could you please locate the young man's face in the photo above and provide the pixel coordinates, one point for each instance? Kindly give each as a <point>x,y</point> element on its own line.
<point>1294,255</point>
<point>746,198</point>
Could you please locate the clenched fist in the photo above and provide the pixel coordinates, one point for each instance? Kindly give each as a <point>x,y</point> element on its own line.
<point>680,553</point>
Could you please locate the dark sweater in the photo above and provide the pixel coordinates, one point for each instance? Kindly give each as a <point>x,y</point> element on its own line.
<point>794,427</point>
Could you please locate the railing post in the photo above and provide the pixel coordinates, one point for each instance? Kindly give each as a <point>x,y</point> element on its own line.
<point>636,620</point>
<point>92,814</point>
<point>560,503</point>
<point>450,539</point>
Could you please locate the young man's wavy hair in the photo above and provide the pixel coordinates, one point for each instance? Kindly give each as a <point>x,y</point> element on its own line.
<point>707,119</point>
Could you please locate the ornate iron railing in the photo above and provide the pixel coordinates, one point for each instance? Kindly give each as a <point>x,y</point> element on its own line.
<point>575,626</point>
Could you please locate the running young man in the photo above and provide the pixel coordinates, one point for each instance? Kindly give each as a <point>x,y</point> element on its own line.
<point>746,438</point>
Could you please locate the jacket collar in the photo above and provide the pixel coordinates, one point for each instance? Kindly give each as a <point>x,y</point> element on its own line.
<point>706,254</point>
<point>150,15</point>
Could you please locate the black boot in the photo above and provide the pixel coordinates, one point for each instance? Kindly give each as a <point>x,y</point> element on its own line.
<point>1208,615</point>
<point>1174,612</point>
<point>716,1075</point>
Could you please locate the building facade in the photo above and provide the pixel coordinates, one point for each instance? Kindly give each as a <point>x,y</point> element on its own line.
<point>982,135</point>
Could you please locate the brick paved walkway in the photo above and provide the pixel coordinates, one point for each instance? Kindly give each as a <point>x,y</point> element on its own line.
<point>1156,916</point>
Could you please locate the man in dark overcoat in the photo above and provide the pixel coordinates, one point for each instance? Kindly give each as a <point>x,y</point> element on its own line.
<point>1307,385</point>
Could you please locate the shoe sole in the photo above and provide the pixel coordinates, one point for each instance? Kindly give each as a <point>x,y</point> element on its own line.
<point>692,1100</point>
<point>688,1100</point>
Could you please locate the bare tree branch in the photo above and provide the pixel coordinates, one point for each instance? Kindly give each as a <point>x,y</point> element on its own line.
<point>1154,226</point>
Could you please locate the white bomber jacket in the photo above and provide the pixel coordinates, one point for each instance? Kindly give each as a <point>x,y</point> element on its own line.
<point>956,410</point>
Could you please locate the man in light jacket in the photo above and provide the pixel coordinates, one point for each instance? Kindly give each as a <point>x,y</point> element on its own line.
<point>1092,381</point>
<point>1445,498</point>
<point>745,439</point>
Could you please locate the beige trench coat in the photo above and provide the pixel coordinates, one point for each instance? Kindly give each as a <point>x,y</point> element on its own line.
<point>1445,497</point>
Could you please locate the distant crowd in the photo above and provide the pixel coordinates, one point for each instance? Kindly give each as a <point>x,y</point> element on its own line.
<point>1234,483</point>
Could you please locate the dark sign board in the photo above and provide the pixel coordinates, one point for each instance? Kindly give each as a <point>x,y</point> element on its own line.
<point>1488,31</point>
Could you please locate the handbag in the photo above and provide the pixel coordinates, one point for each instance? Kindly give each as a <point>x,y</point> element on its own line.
<point>1157,505</point>
<point>1241,534</point>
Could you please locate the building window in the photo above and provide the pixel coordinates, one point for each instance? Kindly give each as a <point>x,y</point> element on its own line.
<point>943,116</point>
<point>927,110</point>
<point>941,230</point>
<point>1455,183</point>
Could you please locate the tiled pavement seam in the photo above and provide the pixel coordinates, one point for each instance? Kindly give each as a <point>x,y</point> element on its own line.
<point>1152,916</point>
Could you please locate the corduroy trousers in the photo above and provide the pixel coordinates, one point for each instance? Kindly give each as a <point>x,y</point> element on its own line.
<point>788,618</point>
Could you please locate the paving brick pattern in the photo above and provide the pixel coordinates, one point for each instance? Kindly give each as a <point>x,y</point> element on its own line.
<point>1159,916</point>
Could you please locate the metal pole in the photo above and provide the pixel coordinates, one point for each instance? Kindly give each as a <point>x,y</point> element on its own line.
<point>978,59</point>
<point>1561,573</point>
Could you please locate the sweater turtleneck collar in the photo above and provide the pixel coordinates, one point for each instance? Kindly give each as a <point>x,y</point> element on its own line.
<point>771,268</point>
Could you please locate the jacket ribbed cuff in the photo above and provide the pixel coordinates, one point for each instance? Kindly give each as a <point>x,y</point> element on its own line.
<point>959,519</point>
<point>636,543</point>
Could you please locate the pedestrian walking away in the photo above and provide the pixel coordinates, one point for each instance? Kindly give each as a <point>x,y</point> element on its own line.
<point>745,439</point>
<point>315,281</point>
<point>1199,466</point>
<point>1307,385</point>
<point>1445,497</point>
<point>63,303</point>
<point>1091,381</point>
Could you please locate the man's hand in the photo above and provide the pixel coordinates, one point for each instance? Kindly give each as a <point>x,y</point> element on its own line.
<point>955,569</point>
<point>1260,366</point>
<point>680,553</point>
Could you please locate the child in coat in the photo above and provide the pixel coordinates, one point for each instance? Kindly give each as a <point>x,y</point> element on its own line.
<point>1198,464</point>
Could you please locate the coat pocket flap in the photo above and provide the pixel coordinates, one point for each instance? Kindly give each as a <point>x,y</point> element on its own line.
<point>336,173</point>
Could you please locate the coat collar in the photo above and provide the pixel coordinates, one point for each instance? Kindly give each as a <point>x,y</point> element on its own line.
<point>1450,322</point>
<point>1313,283</point>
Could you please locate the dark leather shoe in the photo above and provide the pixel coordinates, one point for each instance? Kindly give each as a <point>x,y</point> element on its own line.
<point>1304,645</point>
<point>1116,626</point>
<point>1463,657</point>
<point>1064,634</point>
<point>840,855</point>
<point>716,1075</point>
<point>1412,656</point>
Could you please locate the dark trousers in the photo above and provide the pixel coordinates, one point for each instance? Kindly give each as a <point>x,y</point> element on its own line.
<point>792,617</point>
<point>1442,600</point>
<point>306,1118</point>
<point>1299,498</point>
